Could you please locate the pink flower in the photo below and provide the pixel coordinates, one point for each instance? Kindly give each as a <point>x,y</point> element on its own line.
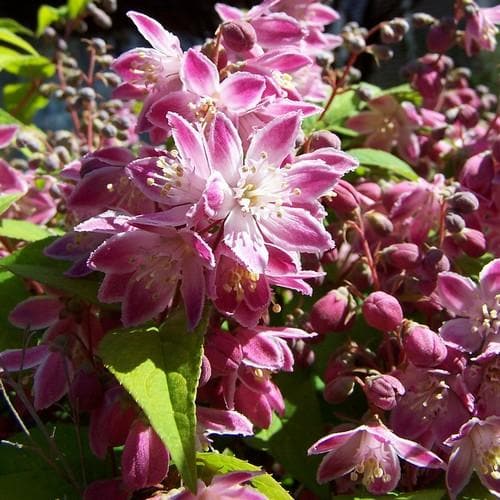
<point>223,487</point>
<point>389,124</point>
<point>476,305</point>
<point>7,134</point>
<point>475,448</point>
<point>480,30</point>
<point>143,269</point>
<point>143,68</point>
<point>369,452</point>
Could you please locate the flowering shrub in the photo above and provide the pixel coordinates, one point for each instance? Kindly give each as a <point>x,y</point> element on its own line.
<point>245,257</point>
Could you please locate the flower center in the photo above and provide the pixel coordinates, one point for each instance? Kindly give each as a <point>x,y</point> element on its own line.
<point>241,280</point>
<point>489,320</point>
<point>371,470</point>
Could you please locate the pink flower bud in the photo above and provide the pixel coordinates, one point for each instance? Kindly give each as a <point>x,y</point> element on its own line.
<point>238,35</point>
<point>424,347</point>
<point>379,223</point>
<point>468,116</point>
<point>441,37</point>
<point>402,255</point>
<point>338,389</point>
<point>323,139</point>
<point>384,391</point>
<point>346,198</point>
<point>382,311</point>
<point>144,458</point>
<point>329,314</point>
<point>471,241</point>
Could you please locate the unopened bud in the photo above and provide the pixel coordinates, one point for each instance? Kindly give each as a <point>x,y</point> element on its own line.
<point>323,139</point>
<point>384,391</point>
<point>454,223</point>
<point>381,52</point>
<point>387,34</point>
<point>338,389</point>
<point>99,16</point>
<point>379,223</point>
<point>109,130</point>
<point>27,140</point>
<point>355,43</point>
<point>331,312</point>
<point>422,20</point>
<point>468,116</point>
<point>87,93</point>
<point>239,36</point>
<point>402,255</point>
<point>424,347</point>
<point>435,261</point>
<point>109,5</point>
<point>365,93</point>
<point>382,311</point>
<point>471,241</point>
<point>345,200</point>
<point>441,37</point>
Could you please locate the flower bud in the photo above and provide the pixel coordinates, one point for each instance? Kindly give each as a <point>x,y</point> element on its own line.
<point>331,312</point>
<point>464,202</point>
<point>402,255</point>
<point>400,26</point>
<point>338,389</point>
<point>435,261</point>
<point>471,241</point>
<point>383,391</point>
<point>323,139</point>
<point>381,52</point>
<point>454,223</point>
<point>422,20</point>
<point>379,223</point>
<point>424,347</point>
<point>100,17</point>
<point>387,34</point>
<point>28,140</point>
<point>239,36</point>
<point>365,93</point>
<point>441,37</point>
<point>345,200</point>
<point>382,311</point>
<point>468,116</point>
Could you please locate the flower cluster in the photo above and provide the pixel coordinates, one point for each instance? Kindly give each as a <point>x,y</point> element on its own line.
<point>211,187</point>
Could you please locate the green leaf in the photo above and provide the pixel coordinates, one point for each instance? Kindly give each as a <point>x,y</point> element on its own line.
<point>48,15</point>
<point>7,119</point>
<point>11,38</point>
<point>289,438</point>
<point>14,291</point>
<point>24,475</point>
<point>13,26</point>
<point>404,92</point>
<point>75,7</point>
<point>29,66</point>
<point>7,200</point>
<point>31,263</point>
<point>160,369</point>
<point>385,161</point>
<point>24,230</point>
<point>24,99</point>
<point>216,463</point>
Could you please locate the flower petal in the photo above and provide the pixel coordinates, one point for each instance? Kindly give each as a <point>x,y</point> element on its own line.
<point>193,290</point>
<point>199,74</point>
<point>456,293</point>
<point>50,381</point>
<point>36,313</point>
<point>460,467</point>
<point>7,134</point>
<point>242,91</point>
<point>155,33</point>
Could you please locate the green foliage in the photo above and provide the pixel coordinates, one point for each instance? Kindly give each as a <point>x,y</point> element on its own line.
<point>13,26</point>
<point>382,160</point>
<point>48,15</point>
<point>216,463</point>
<point>9,37</point>
<point>24,475</point>
<point>31,263</point>
<point>160,368</point>
<point>7,119</point>
<point>14,291</point>
<point>7,200</point>
<point>23,99</point>
<point>289,438</point>
<point>24,230</point>
<point>76,7</point>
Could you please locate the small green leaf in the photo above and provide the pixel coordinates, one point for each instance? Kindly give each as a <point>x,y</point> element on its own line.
<point>216,463</point>
<point>14,291</point>
<point>24,230</point>
<point>385,161</point>
<point>48,15</point>
<point>160,369</point>
<point>13,26</point>
<point>7,119</point>
<point>404,92</point>
<point>31,263</point>
<point>11,38</point>
<point>24,99</point>
<point>25,65</point>
<point>7,200</point>
<point>75,7</point>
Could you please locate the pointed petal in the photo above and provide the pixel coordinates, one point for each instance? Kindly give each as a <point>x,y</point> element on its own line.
<point>193,290</point>
<point>113,287</point>
<point>489,279</point>
<point>14,360</point>
<point>215,421</point>
<point>277,30</point>
<point>174,102</point>
<point>7,134</point>
<point>296,230</point>
<point>155,33</point>
<point>50,381</point>
<point>242,91</point>
<point>458,332</point>
<point>337,463</point>
<point>224,148</point>
<point>36,313</point>
<point>199,74</point>
<point>456,293</point>
<point>276,140</point>
<point>460,467</point>
<point>333,441</point>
